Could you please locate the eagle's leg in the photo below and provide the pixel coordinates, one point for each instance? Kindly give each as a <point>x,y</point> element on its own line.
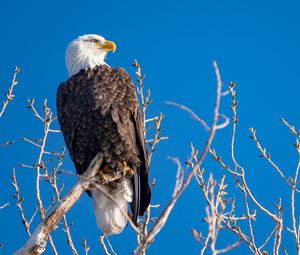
<point>127,170</point>
<point>107,175</point>
<point>102,175</point>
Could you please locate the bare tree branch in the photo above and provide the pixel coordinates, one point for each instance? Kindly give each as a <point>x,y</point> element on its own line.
<point>178,190</point>
<point>9,94</point>
<point>3,206</point>
<point>193,115</point>
<point>101,240</point>
<point>239,174</point>
<point>85,246</point>
<point>19,203</point>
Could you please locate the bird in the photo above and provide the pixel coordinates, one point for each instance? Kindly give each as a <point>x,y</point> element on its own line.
<point>98,113</point>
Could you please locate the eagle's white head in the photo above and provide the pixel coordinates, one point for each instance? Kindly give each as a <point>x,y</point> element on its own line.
<point>87,51</point>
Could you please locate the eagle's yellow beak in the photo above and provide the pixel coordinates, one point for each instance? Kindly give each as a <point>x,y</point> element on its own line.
<point>108,46</point>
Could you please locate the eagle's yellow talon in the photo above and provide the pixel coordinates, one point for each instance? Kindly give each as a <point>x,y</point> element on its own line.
<point>127,170</point>
<point>102,178</point>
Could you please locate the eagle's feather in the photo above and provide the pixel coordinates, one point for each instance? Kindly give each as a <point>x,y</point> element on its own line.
<point>98,112</point>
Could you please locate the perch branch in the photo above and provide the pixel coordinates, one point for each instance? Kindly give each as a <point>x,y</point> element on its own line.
<point>37,242</point>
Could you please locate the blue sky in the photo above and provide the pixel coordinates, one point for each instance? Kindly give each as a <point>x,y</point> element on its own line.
<point>256,44</point>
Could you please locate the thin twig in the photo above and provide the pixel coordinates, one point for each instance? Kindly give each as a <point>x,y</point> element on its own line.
<point>267,156</point>
<point>294,231</point>
<point>145,100</point>
<point>294,222</point>
<point>52,245</point>
<point>9,94</point>
<point>230,247</point>
<point>267,239</point>
<point>193,115</point>
<point>110,246</point>
<point>156,139</point>
<point>85,246</point>
<point>101,240</point>
<point>3,206</point>
<point>19,202</point>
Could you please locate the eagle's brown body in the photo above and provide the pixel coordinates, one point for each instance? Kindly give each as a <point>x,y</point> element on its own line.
<point>98,112</point>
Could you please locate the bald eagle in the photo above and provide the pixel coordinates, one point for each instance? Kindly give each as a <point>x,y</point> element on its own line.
<point>98,112</point>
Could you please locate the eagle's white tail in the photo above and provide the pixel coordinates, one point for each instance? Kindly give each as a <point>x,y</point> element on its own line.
<point>110,215</point>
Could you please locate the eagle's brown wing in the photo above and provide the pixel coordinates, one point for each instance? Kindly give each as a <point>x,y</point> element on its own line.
<point>98,111</point>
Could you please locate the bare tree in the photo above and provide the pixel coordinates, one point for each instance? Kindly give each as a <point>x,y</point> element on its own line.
<point>221,205</point>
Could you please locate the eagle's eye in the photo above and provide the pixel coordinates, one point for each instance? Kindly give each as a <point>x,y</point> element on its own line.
<point>93,41</point>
